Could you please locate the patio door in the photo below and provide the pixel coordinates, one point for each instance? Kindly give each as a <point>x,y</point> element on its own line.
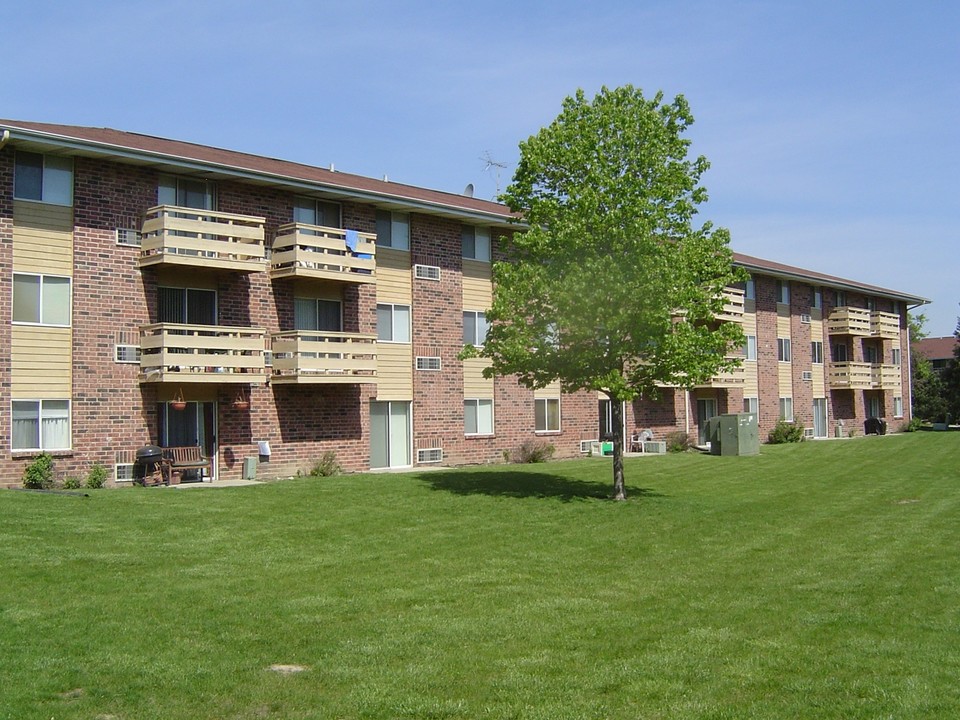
<point>195,425</point>
<point>706,409</point>
<point>607,430</point>
<point>390,434</point>
<point>820,417</point>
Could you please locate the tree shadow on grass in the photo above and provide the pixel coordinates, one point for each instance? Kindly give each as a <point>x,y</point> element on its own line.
<point>503,483</point>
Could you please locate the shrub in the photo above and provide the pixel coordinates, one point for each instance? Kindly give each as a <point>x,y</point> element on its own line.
<point>71,483</point>
<point>97,477</point>
<point>39,474</point>
<point>533,451</point>
<point>912,426</point>
<point>678,441</point>
<point>785,432</point>
<point>327,465</point>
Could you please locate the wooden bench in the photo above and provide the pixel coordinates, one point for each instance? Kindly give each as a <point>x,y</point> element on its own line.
<point>182,459</point>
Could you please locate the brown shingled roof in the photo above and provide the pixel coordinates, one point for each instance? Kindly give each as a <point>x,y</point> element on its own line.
<point>940,348</point>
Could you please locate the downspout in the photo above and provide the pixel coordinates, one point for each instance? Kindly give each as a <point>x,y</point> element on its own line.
<point>4,139</point>
<point>910,360</point>
<point>686,410</point>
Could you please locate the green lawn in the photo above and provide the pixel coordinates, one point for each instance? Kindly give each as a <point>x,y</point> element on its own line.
<point>819,580</point>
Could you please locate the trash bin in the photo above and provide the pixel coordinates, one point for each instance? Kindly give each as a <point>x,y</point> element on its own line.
<point>873,426</point>
<point>147,465</point>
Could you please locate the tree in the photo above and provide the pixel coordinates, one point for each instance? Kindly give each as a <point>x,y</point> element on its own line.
<point>611,287</point>
<point>929,402</point>
<point>951,380</point>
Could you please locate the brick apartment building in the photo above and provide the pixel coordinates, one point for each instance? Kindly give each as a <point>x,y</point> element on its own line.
<point>159,292</point>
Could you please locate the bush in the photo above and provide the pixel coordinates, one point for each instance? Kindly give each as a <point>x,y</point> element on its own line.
<point>327,465</point>
<point>678,441</point>
<point>71,483</point>
<point>39,474</point>
<point>785,432</point>
<point>912,426</point>
<point>97,477</point>
<point>533,451</point>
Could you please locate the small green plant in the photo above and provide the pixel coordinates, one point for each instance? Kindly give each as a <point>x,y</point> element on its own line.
<point>39,474</point>
<point>97,477</point>
<point>912,426</point>
<point>71,483</point>
<point>677,441</point>
<point>327,465</point>
<point>533,451</point>
<point>785,432</point>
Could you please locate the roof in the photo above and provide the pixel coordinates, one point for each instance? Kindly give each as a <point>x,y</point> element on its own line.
<point>178,155</point>
<point>940,348</point>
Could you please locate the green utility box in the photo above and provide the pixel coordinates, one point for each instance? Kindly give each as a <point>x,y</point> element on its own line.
<point>606,448</point>
<point>250,468</point>
<point>734,434</point>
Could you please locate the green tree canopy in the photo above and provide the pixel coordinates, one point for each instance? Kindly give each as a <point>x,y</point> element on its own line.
<point>611,287</point>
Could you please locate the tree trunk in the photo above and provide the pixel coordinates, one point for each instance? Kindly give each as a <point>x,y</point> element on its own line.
<point>619,489</point>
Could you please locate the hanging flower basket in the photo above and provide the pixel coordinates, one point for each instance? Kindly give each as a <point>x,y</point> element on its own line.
<point>178,403</point>
<point>242,402</point>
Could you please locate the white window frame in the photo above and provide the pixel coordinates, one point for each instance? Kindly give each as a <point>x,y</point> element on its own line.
<point>750,291</point>
<point>40,421</point>
<point>750,349</point>
<point>479,237</point>
<point>546,415</point>
<point>396,233</point>
<point>898,406</point>
<point>303,204</point>
<point>401,337</point>
<point>783,292</point>
<point>835,355</point>
<point>784,350</point>
<point>817,298</point>
<point>472,319</point>
<point>816,352</point>
<point>839,298</point>
<point>896,356</point>
<point>48,183</point>
<point>40,306</point>
<point>786,409</point>
<point>474,404</point>
<point>751,404</point>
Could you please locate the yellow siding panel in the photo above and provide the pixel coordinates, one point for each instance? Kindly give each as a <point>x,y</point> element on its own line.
<point>474,384</point>
<point>816,331</point>
<point>550,391</point>
<point>394,371</point>
<point>42,238</point>
<point>477,285</point>
<point>783,321</point>
<point>28,214</point>
<point>394,283</point>
<point>818,384</point>
<point>41,362</point>
<point>751,382</point>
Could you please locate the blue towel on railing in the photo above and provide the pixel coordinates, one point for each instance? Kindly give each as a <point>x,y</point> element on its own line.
<point>352,238</point>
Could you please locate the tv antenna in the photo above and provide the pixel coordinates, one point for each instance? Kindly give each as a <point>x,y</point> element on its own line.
<point>489,163</point>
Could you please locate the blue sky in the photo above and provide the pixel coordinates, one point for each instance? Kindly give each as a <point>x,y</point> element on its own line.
<point>832,127</point>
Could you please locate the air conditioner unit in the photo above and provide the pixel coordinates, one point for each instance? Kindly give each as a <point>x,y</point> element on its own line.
<point>426,272</point>
<point>129,236</point>
<point>127,353</point>
<point>430,455</point>
<point>585,446</point>
<point>428,363</point>
<point>808,432</point>
<point>805,319</point>
<point>807,375</point>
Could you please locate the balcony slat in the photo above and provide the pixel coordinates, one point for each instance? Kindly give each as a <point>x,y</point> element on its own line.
<point>314,251</point>
<point>201,353</point>
<point>309,356</point>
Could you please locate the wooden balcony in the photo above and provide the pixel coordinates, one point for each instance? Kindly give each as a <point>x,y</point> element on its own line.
<point>885,377</point>
<point>849,321</point>
<point>732,305</point>
<point>728,378</point>
<point>850,376</point>
<point>171,352</point>
<point>184,237</point>
<point>321,253</point>
<point>885,325</point>
<point>318,357</point>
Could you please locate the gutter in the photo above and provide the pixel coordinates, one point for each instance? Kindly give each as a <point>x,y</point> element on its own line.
<point>4,139</point>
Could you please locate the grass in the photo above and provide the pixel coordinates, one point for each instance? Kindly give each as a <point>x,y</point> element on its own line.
<point>816,580</point>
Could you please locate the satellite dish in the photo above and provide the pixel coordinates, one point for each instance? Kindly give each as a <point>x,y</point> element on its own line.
<point>468,190</point>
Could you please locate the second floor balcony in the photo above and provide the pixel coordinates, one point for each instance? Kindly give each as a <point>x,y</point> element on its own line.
<point>321,357</point>
<point>323,253</point>
<point>185,237</point>
<point>732,305</point>
<point>850,376</point>
<point>885,325</point>
<point>849,321</point>
<point>885,377</point>
<point>175,352</point>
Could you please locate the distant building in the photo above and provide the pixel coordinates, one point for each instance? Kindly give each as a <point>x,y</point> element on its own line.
<point>939,351</point>
<point>157,292</point>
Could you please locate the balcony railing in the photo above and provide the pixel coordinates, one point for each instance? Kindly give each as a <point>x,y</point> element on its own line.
<point>850,375</point>
<point>727,378</point>
<point>732,305</point>
<point>171,352</point>
<point>322,253</point>
<point>884,324</point>
<point>315,356</point>
<point>849,321</point>
<point>885,377</point>
<point>202,238</point>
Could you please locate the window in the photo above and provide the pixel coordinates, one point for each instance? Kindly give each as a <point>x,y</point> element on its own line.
<point>816,352</point>
<point>871,304</point>
<point>547,414</point>
<point>316,212</point>
<point>783,349</point>
<point>896,356</point>
<point>189,306</point>
<point>393,230</point>
<point>316,314</point>
<point>897,406</point>
<point>750,349</point>
<point>817,298</point>
<point>839,298</point>
<point>187,193</point>
<point>750,292</point>
<point>44,178</point>
<point>870,354</point>
<point>786,409</point>
<point>783,292</point>
<point>425,362</point>
<point>478,417</point>
<point>41,299</point>
<point>751,404</point>
<point>475,242</point>
<point>393,323</point>
<point>839,353</point>
<point>474,328</point>
<point>41,425</point>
